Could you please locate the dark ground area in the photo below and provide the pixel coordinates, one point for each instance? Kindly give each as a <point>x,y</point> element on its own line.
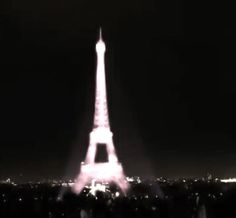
<point>189,199</point>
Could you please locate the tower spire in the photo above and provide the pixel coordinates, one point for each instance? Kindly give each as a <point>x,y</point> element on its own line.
<point>101,118</point>
<point>100,33</point>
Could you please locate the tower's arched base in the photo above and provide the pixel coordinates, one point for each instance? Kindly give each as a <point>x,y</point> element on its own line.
<point>101,172</point>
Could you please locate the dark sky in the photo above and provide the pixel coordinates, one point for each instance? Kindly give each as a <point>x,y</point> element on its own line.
<point>171,84</point>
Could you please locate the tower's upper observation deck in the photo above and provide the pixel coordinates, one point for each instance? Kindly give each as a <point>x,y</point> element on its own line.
<point>100,46</point>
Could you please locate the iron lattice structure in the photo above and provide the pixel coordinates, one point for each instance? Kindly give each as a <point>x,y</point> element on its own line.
<point>110,171</point>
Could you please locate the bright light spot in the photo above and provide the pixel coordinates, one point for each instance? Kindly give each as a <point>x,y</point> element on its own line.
<point>130,179</point>
<point>117,194</point>
<point>96,187</point>
<point>228,180</point>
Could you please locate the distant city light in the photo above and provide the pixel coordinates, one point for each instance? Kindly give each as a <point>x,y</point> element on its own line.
<point>117,194</point>
<point>228,180</point>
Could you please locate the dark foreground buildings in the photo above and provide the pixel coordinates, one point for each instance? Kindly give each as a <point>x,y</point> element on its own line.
<point>161,199</point>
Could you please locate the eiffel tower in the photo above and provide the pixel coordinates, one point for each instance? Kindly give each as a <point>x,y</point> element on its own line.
<point>101,135</point>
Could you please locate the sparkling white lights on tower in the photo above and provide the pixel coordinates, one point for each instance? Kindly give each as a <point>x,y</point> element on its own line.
<point>101,135</point>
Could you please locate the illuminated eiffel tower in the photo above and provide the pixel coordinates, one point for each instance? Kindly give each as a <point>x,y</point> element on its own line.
<point>101,135</point>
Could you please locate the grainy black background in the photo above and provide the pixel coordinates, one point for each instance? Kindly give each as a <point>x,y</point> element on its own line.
<point>170,77</point>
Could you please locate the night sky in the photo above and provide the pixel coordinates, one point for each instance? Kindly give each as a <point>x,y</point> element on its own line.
<point>171,85</point>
